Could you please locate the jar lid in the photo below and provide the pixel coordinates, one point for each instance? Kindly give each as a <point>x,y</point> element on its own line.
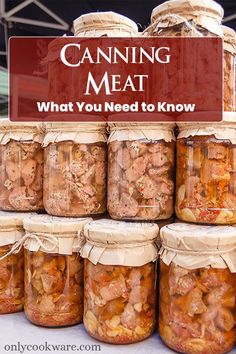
<point>105,21</point>
<point>119,243</point>
<point>207,14</point>
<point>79,133</point>
<point>53,224</point>
<point>51,234</point>
<point>12,219</point>
<point>20,131</point>
<point>229,39</point>
<point>132,131</point>
<point>224,130</point>
<point>196,246</point>
<point>193,7</point>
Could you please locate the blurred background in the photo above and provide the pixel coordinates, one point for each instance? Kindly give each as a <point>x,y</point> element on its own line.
<point>55,17</point>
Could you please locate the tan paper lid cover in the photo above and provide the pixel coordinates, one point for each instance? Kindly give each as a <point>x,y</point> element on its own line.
<point>113,242</point>
<point>195,246</point>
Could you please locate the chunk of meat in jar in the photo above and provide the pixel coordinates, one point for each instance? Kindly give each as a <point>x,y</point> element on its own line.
<point>18,199</point>
<point>136,148</point>
<point>100,173</point>
<point>87,177</point>
<point>147,187</point>
<point>28,171</point>
<point>52,282</point>
<point>46,304</point>
<point>137,169</point>
<point>157,159</point>
<point>216,295</point>
<point>216,151</point>
<point>79,168</point>
<point>134,277</point>
<point>194,302</point>
<point>127,207</point>
<point>123,158</point>
<point>99,153</point>
<point>211,278</point>
<point>225,320</point>
<point>191,183</point>
<point>114,172</point>
<point>129,317</point>
<point>181,281</point>
<point>37,185</point>
<point>114,289</point>
<point>12,150</point>
<point>138,294</point>
<point>213,171</point>
<point>13,171</point>
<point>156,173</point>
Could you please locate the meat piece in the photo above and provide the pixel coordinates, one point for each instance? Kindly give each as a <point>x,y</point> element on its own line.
<point>123,158</point>
<point>194,302</point>
<point>215,296</point>
<point>79,168</point>
<point>129,317</point>
<point>115,289</point>
<point>99,153</point>
<point>37,184</point>
<point>46,304</point>
<point>216,151</point>
<point>137,169</point>
<point>157,159</point>
<point>138,294</point>
<point>134,277</point>
<point>127,206</point>
<point>19,200</point>
<point>213,171</point>
<point>13,171</point>
<point>225,320</point>
<point>29,171</point>
<point>100,173</point>
<point>136,148</point>
<point>147,187</point>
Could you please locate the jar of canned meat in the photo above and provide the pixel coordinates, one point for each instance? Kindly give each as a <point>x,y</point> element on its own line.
<point>21,171</point>
<point>198,288</point>
<point>53,271</point>
<point>206,172</point>
<point>229,68</point>
<point>141,171</point>
<point>183,18</point>
<point>75,169</point>
<point>100,24</point>
<point>120,279</point>
<point>11,262</point>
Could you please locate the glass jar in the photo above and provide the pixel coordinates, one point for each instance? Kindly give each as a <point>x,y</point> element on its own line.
<point>11,263</point>
<point>53,271</point>
<point>198,288</point>
<point>100,24</point>
<point>229,68</point>
<point>120,280</point>
<point>22,166</point>
<point>141,171</point>
<point>182,18</point>
<point>75,169</point>
<point>206,173</point>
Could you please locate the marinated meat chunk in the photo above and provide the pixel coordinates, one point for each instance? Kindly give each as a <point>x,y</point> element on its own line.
<point>198,317</point>
<point>53,288</point>
<point>22,176</point>
<point>119,302</point>
<point>77,185</point>
<point>140,180</point>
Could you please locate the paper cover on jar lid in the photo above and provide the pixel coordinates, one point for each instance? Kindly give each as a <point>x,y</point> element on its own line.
<point>226,129</point>
<point>196,246</point>
<point>229,39</point>
<point>11,227</point>
<point>141,131</point>
<point>53,234</point>
<point>110,24</point>
<point>207,14</point>
<point>79,133</point>
<point>20,131</point>
<point>113,242</point>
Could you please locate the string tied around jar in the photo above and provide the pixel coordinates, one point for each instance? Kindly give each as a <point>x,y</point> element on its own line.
<point>42,239</point>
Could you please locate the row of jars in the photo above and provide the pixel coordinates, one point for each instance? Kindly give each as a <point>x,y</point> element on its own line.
<point>104,273</point>
<point>69,178</point>
<point>175,18</point>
